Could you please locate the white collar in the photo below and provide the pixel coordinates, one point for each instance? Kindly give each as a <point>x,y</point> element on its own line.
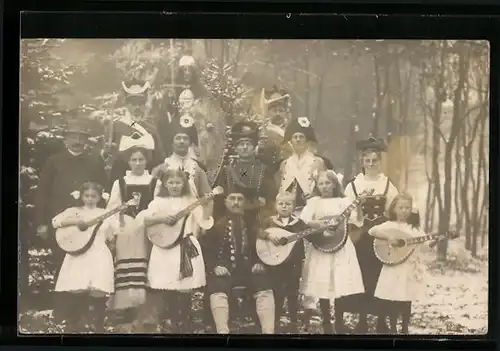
<point>291,220</point>
<point>129,173</point>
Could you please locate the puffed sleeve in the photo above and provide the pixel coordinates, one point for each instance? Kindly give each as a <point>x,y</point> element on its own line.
<point>307,213</point>
<point>349,191</point>
<point>378,228</point>
<point>114,196</point>
<point>68,213</point>
<point>152,209</point>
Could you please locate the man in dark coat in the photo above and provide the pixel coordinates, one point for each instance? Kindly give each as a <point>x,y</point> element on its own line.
<point>248,172</point>
<point>63,174</point>
<point>232,262</point>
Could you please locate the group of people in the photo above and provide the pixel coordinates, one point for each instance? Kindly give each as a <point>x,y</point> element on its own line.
<point>140,286</point>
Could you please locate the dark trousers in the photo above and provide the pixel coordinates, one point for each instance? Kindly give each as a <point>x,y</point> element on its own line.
<point>286,282</point>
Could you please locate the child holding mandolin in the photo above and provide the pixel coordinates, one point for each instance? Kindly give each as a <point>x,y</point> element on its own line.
<point>87,278</point>
<point>175,271</point>
<point>334,275</point>
<point>398,284</point>
<point>286,276</point>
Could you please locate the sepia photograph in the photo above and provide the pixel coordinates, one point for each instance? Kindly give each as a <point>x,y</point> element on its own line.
<point>237,186</point>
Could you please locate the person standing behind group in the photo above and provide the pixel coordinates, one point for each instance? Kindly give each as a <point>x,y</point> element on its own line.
<point>373,209</point>
<point>61,175</point>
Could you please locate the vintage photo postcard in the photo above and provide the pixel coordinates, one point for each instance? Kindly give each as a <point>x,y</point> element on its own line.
<point>210,186</point>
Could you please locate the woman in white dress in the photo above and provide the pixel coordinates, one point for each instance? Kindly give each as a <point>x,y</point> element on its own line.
<point>329,276</point>
<point>398,285</point>
<point>173,273</point>
<point>89,276</point>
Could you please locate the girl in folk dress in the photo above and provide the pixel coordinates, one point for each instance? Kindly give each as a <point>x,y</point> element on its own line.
<point>329,276</point>
<point>175,272</point>
<point>398,285</point>
<point>132,247</point>
<point>88,277</point>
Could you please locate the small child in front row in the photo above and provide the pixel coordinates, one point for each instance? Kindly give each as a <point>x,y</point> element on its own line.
<point>336,275</point>
<point>286,276</point>
<point>88,278</point>
<point>397,285</point>
<point>175,272</point>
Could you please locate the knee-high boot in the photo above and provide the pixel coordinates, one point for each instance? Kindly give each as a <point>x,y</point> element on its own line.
<point>324,306</point>
<point>219,306</point>
<point>264,303</point>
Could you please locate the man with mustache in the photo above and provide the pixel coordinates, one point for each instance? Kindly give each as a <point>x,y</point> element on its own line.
<point>232,263</point>
<point>135,127</point>
<point>61,175</point>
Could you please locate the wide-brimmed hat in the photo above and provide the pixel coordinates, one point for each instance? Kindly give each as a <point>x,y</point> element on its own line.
<point>77,126</point>
<point>300,125</point>
<point>372,143</point>
<point>245,130</point>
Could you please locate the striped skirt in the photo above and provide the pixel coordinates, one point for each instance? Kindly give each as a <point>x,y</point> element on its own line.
<point>131,267</point>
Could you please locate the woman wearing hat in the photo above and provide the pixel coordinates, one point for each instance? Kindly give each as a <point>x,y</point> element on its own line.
<point>61,175</point>
<point>297,171</point>
<point>135,127</point>
<point>373,209</point>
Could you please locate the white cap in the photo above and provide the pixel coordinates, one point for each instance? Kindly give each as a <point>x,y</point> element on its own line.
<point>187,61</point>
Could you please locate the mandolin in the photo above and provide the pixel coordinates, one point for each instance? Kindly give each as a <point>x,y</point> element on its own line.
<point>166,236</point>
<point>274,255</point>
<point>394,255</point>
<point>77,239</point>
<point>333,239</point>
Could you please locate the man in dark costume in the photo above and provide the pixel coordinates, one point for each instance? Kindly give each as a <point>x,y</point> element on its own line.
<point>61,175</point>
<point>232,263</point>
<point>248,172</point>
<point>373,209</point>
<point>134,126</point>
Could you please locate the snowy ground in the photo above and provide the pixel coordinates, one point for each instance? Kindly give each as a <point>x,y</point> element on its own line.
<point>454,301</point>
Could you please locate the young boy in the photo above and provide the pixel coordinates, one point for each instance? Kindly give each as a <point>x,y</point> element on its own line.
<point>286,276</point>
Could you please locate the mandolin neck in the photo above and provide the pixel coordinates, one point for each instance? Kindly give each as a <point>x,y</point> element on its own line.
<point>422,239</point>
<point>106,215</point>
<point>184,212</point>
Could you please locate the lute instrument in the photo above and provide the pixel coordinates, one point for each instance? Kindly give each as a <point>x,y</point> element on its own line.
<point>333,238</point>
<point>167,236</point>
<point>274,255</point>
<point>77,239</point>
<point>393,255</point>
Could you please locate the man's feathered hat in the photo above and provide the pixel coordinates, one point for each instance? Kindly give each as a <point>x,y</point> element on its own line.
<point>372,143</point>
<point>244,130</point>
<point>186,125</point>
<point>300,125</point>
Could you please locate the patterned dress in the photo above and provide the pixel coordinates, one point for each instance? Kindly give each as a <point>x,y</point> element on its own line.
<point>132,246</point>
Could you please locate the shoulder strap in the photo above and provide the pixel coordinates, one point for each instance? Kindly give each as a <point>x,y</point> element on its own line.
<point>122,186</point>
<point>200,164</point>
<point>354,187</point>
<point>387,187</point>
